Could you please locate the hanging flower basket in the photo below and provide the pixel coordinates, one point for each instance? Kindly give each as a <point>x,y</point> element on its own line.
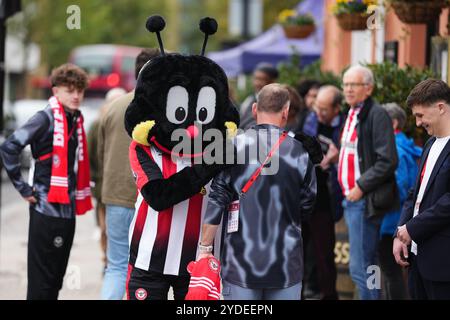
<point>418,11</point>
<point>352,21</point>
<point>298,32</point>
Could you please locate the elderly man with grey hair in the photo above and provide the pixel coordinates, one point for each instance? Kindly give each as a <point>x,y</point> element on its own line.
<point>366,173</point>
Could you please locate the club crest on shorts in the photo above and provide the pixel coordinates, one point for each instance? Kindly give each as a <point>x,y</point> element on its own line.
<point>141,294</point>
<point>58,242</point>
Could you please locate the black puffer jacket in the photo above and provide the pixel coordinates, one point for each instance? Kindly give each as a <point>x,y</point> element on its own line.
<point>38,133</point>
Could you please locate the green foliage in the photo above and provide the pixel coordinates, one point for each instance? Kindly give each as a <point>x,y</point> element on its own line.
<point>351,6</point>
<point>115,22</point>
<point>393,84</point>
<point>289,71</point>
<point>100,22</point>
<point>313,71</point>
<point>412,1</point>
<point>289,17</point>
<point>273,8</point>
<point>291,74</point>
<point>300,20</point>
<point>191,13</point>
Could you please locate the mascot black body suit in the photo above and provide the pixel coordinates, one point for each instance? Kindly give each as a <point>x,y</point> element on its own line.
<point>173,93</point>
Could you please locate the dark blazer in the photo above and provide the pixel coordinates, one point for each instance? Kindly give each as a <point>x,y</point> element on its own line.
<point>430,229</point>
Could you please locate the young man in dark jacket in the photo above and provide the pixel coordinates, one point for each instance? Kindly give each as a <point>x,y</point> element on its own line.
<point>57,193</point>
<point>422,239</point>
<point>366,173</point>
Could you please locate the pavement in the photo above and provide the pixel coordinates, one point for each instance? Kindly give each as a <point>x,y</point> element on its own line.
<point>84,273</point>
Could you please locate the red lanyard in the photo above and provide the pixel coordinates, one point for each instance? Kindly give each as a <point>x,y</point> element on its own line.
<point>258,171</point>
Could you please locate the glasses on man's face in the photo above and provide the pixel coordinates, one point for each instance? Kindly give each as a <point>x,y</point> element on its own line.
<point>353,85</point>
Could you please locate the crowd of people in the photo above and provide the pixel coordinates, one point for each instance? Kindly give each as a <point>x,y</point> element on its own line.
<point>340,155</point>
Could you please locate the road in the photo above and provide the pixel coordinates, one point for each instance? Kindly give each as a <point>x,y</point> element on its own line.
<point>84,273</point>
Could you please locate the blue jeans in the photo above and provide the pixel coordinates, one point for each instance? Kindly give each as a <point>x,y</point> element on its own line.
<point>118,220</point>
<point>363,237</point>
<point>234,292</point>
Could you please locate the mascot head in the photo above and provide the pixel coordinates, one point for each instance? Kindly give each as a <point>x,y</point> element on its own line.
<point>174,91</point>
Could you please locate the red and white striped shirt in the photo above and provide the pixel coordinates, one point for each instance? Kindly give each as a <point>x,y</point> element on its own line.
<point>348,170</point>
<point>164,241</point>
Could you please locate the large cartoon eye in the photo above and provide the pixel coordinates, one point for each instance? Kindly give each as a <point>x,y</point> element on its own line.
<point>177,104</point>
<point>206,105</point>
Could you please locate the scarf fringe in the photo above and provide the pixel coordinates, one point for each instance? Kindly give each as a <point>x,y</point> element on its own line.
<point>83,206</point>
<point>58,195</point>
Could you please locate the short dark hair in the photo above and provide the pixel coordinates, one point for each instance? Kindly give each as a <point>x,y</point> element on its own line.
<point>428,92</point>
<point>305,85</point>
<point>272,98</point>
<point>69,75</point>
<point>268,69</point>
<point>142,58</point>
<point>296,102</point>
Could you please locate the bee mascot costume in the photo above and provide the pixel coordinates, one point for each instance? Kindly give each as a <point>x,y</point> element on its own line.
<point>187,95</point>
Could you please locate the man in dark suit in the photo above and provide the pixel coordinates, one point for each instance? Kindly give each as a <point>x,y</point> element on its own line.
<point>423,237</point>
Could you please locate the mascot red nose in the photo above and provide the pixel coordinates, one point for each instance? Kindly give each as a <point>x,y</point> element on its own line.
<point>174,93</point>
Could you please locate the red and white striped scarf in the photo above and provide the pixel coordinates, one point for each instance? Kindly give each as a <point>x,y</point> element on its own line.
<point>348,169</point>
<point>205,279</point>
<point>59,183</point>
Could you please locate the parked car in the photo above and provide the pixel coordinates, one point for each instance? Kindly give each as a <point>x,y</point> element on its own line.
<point>108,66</point>
<point>22,110</point>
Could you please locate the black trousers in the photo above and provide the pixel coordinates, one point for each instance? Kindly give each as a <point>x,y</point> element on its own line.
<point>49,243</point>
<point>394,284</point>
<point>150,285</point>
<point>319,232</point>
<point>422,289</point>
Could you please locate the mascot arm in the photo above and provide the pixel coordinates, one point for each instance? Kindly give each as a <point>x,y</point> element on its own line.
<point>161,194</point>
<point>312,146</point>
